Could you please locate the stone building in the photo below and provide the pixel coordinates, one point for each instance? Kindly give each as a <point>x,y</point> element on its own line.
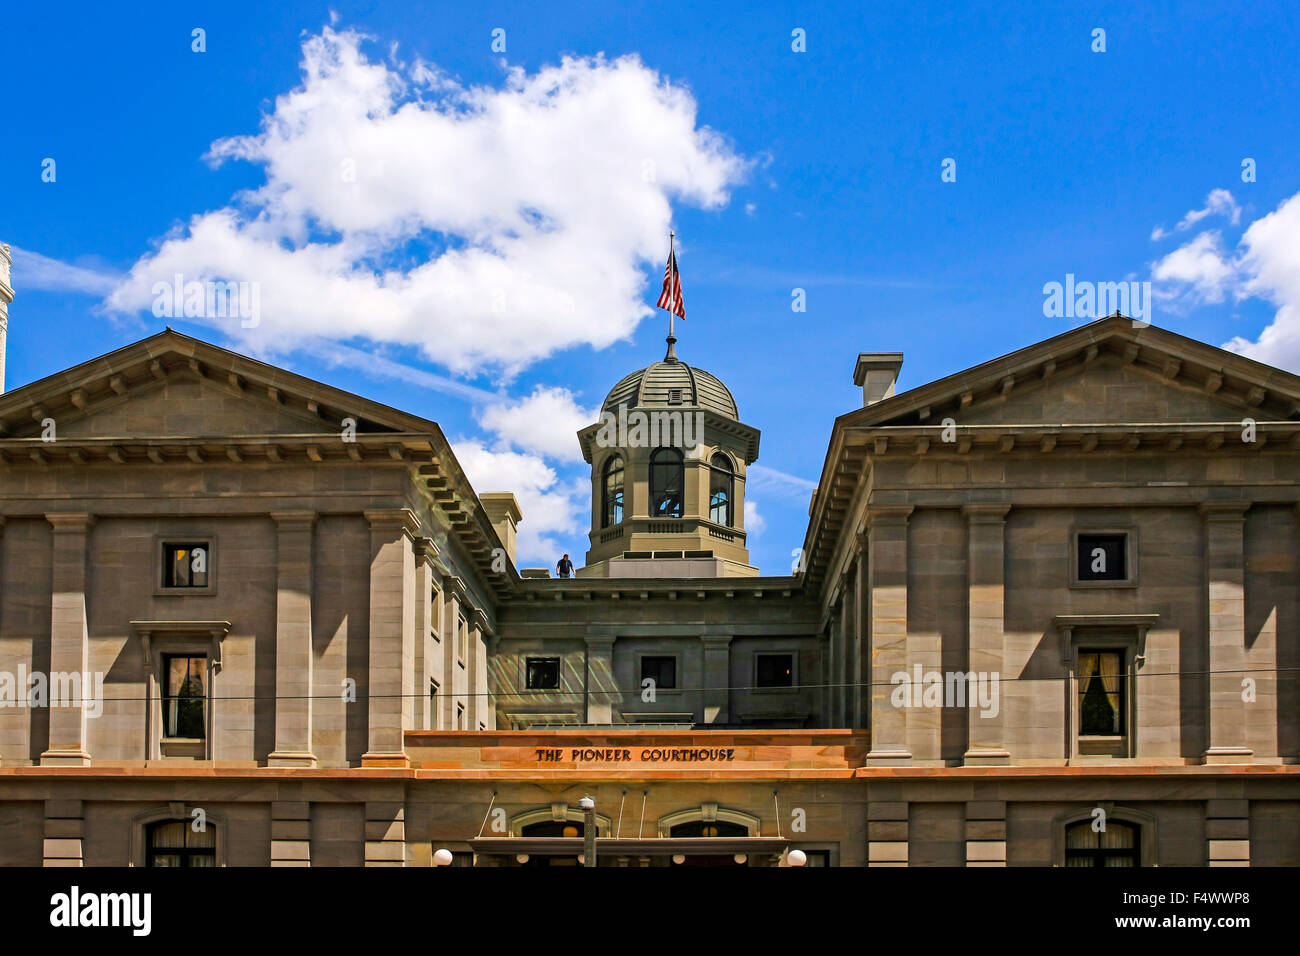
<point>276,625</point>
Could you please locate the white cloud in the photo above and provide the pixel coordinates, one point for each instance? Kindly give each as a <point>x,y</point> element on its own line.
<point>553,508</point>
<point>1218,202</point>
<point>546,422</point>
<point>32,270</point>
<point>1270,265</point>
<point>1199,269</point>
<point>754,523</point>
<point>473,222</point>
<point>769,479</point>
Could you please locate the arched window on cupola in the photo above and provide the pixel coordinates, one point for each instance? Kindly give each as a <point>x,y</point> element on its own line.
<point>667,479</point>
<point>721,490</point>
<point>611,494</point>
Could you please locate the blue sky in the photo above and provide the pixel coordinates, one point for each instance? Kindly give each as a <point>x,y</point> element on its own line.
<point>492,259</point>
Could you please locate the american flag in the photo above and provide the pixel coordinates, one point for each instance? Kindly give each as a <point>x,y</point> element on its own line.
<point>671,297</point>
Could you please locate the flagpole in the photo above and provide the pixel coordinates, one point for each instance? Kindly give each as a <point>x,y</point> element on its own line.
<point>671,236</point>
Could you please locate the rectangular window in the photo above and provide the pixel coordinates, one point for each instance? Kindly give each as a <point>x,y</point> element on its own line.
<point>434,718</point>
<point>1102,557</point>
<point>661,670</point>
<point>185,697</point>
<point>775,670</point>
<point>543,673</point>
<point>1101,693</point>
<point>185,564</point>
<point>460,716</point>
<point>462,637</point>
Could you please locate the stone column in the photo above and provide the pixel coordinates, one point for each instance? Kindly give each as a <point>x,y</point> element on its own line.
<point>392,635</point>
<point>985,577</point>
<point>65,829</point>
<point>887,570</point>
<point>385,834</point>
<point>849,627</point>
<point>600,679</point>
<point>886,834</point>
<point>294,662</point>
<point>986,833</point>
<point>1225,570</point>
<point>1227,832</point>
<point>290,833</point>
<point>717,679</point>
<point>69,641</point>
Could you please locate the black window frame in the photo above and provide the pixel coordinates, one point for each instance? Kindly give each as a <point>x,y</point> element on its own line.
<point>169,562</point>
<point>1086,685</point>
<point>185,853</point>
<point>552,684</point>
<point>667,468</point>
<point>657,662</point>
<point>612,508</point>
<point>1099,854</point>
<point>171,724</point>
<point>721,472</point>
<point>759,659</point>
<point>1112,542</point>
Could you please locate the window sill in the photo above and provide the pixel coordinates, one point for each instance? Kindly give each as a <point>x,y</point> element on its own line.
<point>183,747</point>
<point>1103,746</point>
<point>1104,584</point>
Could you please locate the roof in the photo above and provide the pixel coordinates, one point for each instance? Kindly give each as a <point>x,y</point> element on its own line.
<point>651,386</point>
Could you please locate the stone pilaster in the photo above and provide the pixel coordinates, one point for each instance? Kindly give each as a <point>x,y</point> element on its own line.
<point>887,572</point>
<point>450,622</point>
<point>886,834</point>
<point>294,663</point>
<point>717,679</point>
<point>69,641</point>
<point>837,662</point>
<point>65,829</point>
<point>1227,832</point>
<point>985,577</point>
<point>601,688</point>
<point>290,833</point>
<point>859,671</point>
<point>474,664</point>
<point>1225,575</point>
<point>392,635</point>
<point>427,608</point>
<point>385,834</point>
<point>986,833</point>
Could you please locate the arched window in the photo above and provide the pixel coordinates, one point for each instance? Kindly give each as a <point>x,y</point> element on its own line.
<point>721,484</point>
<point>667,480</point>
<point>1116,845</point>
<point>177,843</point>
<point>611,495</point>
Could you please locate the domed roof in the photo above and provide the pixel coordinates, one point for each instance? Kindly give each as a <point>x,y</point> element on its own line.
<point>650,386</point>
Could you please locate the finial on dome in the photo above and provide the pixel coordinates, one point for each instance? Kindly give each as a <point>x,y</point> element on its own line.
<point>672,348</point>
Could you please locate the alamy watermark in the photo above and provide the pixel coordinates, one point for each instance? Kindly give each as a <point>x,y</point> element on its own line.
<point>1093,300</point>
<point>641,429</point>
<point>56,689</point>
<point>975,689</point>
<point>209,299</point>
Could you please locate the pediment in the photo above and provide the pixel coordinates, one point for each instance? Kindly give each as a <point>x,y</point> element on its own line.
<point>1108,372</point>
<point>170,385</point>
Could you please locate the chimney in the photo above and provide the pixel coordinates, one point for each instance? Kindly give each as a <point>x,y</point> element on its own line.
<point>503,511</point>
<point>6,296</point>
<point>877,372</point>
